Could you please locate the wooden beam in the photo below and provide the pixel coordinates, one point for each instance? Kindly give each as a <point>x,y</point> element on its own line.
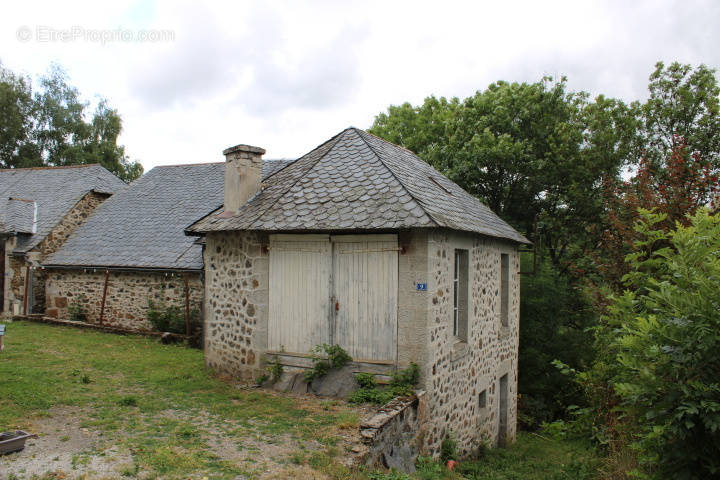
<point>27,288</point>
<point>187,304</point>
<point>102,307</point>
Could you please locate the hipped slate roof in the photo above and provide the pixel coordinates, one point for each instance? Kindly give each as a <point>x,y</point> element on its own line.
<point>54,190</point>
<point>142,226</point>
<point>358,181</point>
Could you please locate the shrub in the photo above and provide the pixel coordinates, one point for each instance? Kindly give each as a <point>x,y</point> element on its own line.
<point>276,370</point>
<point>448,449</point>
<point>366,380</point>
<point>76,310</point>
<point>402,384</point>
<point>171,318</point>
<point>337,357</point>
<point>669,348</point>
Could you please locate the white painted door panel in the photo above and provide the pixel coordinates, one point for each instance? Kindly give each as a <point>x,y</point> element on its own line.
<point>300,267</point>
<point>365,281</point>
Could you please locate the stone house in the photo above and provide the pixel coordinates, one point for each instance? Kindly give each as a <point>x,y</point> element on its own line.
<point>132,249</point>
<point>362,244</point>
<point>39,209</point>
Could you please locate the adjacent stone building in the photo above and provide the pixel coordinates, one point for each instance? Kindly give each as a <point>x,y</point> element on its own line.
<point>362,244</point>
<point>39,209</point>
<point>132,250</point>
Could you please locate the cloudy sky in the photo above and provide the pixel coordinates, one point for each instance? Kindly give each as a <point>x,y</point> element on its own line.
<point>288,75</point>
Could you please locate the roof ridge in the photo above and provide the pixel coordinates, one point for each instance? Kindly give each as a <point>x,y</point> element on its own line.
<point>336,138</point>
<point>51,167</point>
<point>392,172</point>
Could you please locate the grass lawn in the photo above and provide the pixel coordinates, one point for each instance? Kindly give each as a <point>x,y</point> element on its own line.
<point>111,406</point>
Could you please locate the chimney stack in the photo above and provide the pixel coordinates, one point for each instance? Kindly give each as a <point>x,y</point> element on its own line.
<point>243,174</point>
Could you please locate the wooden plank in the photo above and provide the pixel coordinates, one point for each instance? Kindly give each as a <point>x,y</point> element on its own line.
<point>299,292</point>
<point>365,274</point>
<point>357,366</point>
<point>364,238</point>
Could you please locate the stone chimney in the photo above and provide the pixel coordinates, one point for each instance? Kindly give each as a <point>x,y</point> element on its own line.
<point>243,174</point>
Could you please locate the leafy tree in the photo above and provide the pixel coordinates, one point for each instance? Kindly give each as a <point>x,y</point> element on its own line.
<point>555,316</point>
<point>683,106</point>
<point>668,346</point>
<point>685,183</point>
<point>49,126</point>
<point>17,111</point>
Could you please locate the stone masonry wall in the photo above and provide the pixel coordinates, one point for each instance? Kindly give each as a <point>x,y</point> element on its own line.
<point>57,237</point>
<point>128,293</point>
<point>457,372</point>
<point>236,306</point>
<point>16,266</point>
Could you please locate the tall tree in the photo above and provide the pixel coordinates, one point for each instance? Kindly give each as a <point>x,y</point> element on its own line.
<point>50,126</point>
<point>683,106</point>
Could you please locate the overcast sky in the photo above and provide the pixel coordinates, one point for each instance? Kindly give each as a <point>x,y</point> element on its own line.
<point>287,76</point>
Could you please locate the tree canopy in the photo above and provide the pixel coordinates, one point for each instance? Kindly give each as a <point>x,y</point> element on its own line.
<point>51,126</point>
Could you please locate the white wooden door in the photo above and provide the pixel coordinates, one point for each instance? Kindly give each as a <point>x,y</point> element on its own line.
<point>365,280</point>
<point>300,267</point>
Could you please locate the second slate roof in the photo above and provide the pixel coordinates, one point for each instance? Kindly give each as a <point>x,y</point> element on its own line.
<point>142,226</point>
<point>54,191</point>
<point>356,181</point>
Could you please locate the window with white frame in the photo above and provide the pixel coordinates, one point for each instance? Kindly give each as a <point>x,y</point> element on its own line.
<point>504,287</point>
<point>460,295</point>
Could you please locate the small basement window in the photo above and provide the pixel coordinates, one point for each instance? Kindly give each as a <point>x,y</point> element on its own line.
<point>460,287</point>
<point>504,287</point>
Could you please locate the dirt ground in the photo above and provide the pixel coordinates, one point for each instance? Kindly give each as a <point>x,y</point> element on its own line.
<point>67,450</point>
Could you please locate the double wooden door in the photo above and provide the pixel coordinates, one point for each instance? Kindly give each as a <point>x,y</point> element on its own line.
<point>336,290</point>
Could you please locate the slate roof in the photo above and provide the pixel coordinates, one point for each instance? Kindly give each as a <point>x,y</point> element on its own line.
<point>358,181</point>
<point>54,190</point>
<point>142,226</point>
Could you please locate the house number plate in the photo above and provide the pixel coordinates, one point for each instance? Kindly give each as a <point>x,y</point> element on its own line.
<point>422,287</point>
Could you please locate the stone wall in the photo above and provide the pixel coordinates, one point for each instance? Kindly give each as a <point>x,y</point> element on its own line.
<point>16,266</point>
<point>236,307</point>
<point>393,434</point>
<point>128,294</point>
<point>457,372</point>
<point>454,372</point>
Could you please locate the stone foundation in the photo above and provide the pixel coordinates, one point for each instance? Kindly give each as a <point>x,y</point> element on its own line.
<point>128,295</point>
<point>394,434</point>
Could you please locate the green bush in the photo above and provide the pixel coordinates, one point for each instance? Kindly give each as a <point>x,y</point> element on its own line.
<point>366,380</point>
<point>171,318</point>
<point>324,358</point>
<point>276,370</point>
<point>76,310</point>
<point>448,449</point>
<point>402,384</point>
<point>668,347</point>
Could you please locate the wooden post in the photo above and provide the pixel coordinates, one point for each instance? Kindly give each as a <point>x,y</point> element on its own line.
<point>102,307</point>
<point>27,288</point>
<point>187,304</point>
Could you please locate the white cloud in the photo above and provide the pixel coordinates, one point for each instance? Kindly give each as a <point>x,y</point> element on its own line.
<point>288,75</point>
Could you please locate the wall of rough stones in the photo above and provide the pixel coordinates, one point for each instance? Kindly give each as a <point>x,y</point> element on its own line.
<point>128,294</point>
<point>392,434</point>
<point>236,307</point>
<point>16,265</point>
<point>456,372</point>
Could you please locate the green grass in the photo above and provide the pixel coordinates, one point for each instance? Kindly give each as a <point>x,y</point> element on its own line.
<point>126,385</point>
